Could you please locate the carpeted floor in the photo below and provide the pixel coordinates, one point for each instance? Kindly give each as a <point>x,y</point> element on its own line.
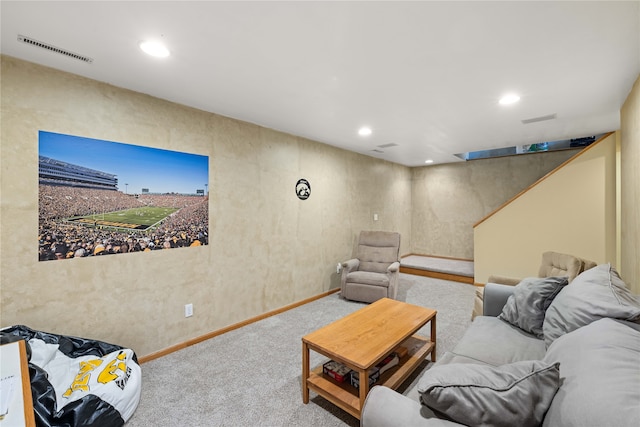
<point>251,376</point>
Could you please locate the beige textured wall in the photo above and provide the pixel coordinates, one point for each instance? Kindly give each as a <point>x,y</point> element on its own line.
<point>449,199</point>
<point>571,211</point>
<point>267,248</point>
<point>630,189</point>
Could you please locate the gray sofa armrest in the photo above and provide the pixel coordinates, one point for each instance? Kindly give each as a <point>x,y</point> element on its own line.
<point>495,297</point>
<point>387,408</point>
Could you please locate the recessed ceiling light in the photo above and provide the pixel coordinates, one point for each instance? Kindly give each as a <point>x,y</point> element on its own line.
<point>509,99</point>
<point>364,131</point>
<point>154,48</point>
<point>429,161</point>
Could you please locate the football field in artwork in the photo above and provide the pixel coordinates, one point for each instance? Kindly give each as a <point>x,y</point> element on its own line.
<point>141,218</point>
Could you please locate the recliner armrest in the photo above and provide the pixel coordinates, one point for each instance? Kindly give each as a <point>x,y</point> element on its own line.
<point>495,297</point>
<point>503,280</point>
<point>393,267</point>
<point>351,265</point>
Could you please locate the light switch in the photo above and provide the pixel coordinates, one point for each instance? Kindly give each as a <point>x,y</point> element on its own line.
<point>375,217</point>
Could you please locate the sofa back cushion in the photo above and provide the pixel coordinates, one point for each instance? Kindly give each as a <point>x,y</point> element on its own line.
<point>594,294</point>
<point>495,342</point>
<point>531,298</point>
<point>600,374</point>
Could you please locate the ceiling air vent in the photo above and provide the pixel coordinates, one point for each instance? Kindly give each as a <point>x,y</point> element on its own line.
<point>375,150</point>
<point>392,144</point>
<point>539,119</point>
<point>33,42</point>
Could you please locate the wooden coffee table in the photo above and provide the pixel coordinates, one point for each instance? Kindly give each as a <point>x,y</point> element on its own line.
<point>360,341</point>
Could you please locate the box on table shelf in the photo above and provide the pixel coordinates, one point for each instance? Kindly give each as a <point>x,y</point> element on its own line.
<point>401,351</point>
<point>337,371</point>
<point>374,374</point>
<point>342,373</point>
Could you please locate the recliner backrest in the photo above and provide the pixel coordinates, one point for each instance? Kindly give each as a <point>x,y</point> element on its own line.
<point>556,264</point>
<point>586,264</point>
<point>377,250</point>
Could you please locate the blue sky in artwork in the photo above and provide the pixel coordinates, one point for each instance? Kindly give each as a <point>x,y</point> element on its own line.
<point>161,171</point>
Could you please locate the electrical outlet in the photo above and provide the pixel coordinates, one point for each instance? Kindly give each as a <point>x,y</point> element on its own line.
<point>339,268</point>
<point>188,310</point>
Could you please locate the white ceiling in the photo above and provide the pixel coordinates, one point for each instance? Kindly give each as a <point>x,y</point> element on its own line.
<point>426,76</point>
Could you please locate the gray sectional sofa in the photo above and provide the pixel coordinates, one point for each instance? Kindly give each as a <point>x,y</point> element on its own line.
<point>545,352</point>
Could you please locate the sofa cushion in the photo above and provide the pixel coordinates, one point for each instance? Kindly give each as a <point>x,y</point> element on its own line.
<point>517,394</point>
<point>385,407</point>
<point>600,373</point>
<point>529,302</point>
<point>596,293</point>
<point>450,357</point>
<point>495,342</point>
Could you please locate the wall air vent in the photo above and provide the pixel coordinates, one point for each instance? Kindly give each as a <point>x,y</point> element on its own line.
<point>33,42</point>
<point>539,119</point>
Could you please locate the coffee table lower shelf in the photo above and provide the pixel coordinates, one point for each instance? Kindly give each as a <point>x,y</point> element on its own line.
<point>346,396</point>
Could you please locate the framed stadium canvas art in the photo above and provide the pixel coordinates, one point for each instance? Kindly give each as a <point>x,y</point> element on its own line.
<point>99,198</point>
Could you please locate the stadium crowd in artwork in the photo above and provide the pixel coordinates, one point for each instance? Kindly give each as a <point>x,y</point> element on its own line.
<point>60,237</point>
<point>77,220</point>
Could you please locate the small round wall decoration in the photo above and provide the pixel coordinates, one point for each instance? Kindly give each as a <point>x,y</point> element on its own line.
<point>303,189</point>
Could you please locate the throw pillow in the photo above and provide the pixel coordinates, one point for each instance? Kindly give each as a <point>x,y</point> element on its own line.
<point>594,294</point>
<point>526,307</point>
<point>517,394</point>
